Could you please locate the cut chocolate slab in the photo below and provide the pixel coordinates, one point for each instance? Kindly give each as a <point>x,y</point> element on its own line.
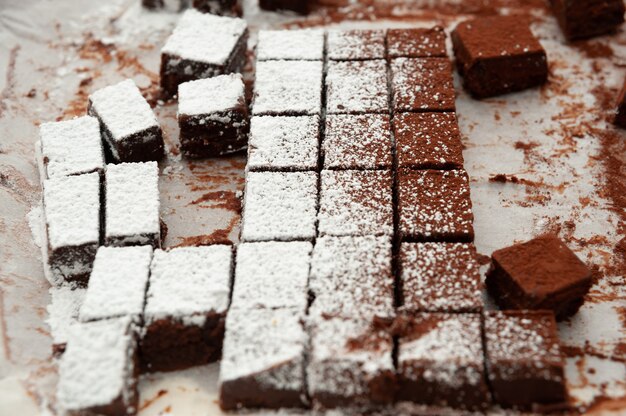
<point>524,360</point>
<point>355,87</point>
<point>440,277</point>
<point>213,116</point>
<point>71,206</point>
<point>416,43</point>
<point>422,84</point>
<point>283,143</point>
<point>498,55</point>
<point>299,45</point>
<point>202,46</point>
<point>188,295</point>
<point>117,285</point>
<point>542,273</point>
<point>428,141</point>
<point>97,373</point>
<point>128,124</point>
<point>263,362</point>
<point>63,309</point>
<point>298,6</point>
<point>279,206</point>
<point>355,203</point>
<point>132,205</point>
<point>288,88</point>
<point>71,147</point>
<point>357,142</point>
<point>435,206</point>
<point>440,360</point>
<point>219,7</point>
<point>350,45</point>
<point>585,19</point>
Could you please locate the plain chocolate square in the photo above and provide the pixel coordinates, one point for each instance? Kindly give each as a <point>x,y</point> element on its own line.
<point>416,42</point>
<point>585,19</point>
<point>422,84</point>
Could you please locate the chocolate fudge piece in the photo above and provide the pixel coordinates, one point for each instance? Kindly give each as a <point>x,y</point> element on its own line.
<point>98,372</point>
<point>440,277</point>
<point>357,142</point>
<point>620,111</point>
<point>279,206</point>
<point>422,84</point>
<point>355,87</point>
<point>128,124</point>
<point>202,46</point>
<point>288,88</point>
<point>186,303</point>
<point>71,206</point>
<point>219,7</point>
<point>417,43</point>
<point>355,203</point>
<point>428,141</point>
<point>298,45</point>
<point>263,362</point>
<point>174,6</point>
<point>132,205</point>
<point>283,143</point>
<point>63,309</point>
<point>440,360</point>
<point>117,285</point>
<point>435,205</point>
<point>588,18</point>
<point>298,6</point>
<point>524,360</point>
<point>213,116</point>
<point>71,147</point>
<point>356,45</point>
<point>542,273</point>
<point>498,55</point>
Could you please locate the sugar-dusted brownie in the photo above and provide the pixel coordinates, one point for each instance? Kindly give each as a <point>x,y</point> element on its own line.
<point>357,142</point>
<point>440,277</point>
<point>349,45</point>
<point>288,88</point>
<point>132,205</point>
<point>213,116</point>
<point>416,43</point>
<point>524,361</point>
<point>356,203</point>
<point>542,273</point>
<point>441,360</point>
<point>202,46</point>
<point>71,147</point>
<point>71,207</point>
<point>620,111</point>
<point>299,45</point>
<point>264,358</point>
<point>350,362</point>
<point>280,143</point>
<point>435,205</point>
<point>63,309</point>
<point>98,372</point>
<point>279,206</point>
<point>298,6</point>
<point>128,125</point>
<point>356,87</point>
<point>352,277</point>
<point>497,55</point>
<point>117,285</point>
<point>186,303</point>
<point>422,84</point>
<point>588,18</point>
<point>219,7</point>
<point>174,6</point>
<point>428,141</point>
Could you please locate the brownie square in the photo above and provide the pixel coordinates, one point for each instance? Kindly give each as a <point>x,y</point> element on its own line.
<point>355,87</point>
<point>297,45</point>
<point>498,55</point>
<point>128,124</point>
<point>219,7</point>
<point>588,18</point>
<point>440,360</point>
<point>435,206</point>
<point>620,111</point>
<point>186,304</point>
<point>542,273</point>
<point>428,141</point>
<point>356,45</point>
<point>355,203</point>
<point>212,116</point>
<point>422,84</point>
<point>417,43</point>
<point>524,361</point>
<point>298,6</point>
<point>63,309</point>
<point>440,277</point>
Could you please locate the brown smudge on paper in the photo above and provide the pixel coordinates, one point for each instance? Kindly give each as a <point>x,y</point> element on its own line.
<point>220,236</point>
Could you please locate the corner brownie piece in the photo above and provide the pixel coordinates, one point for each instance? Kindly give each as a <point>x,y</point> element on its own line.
<point>298,45</point>
<point>417,43</point>
<point>524,361</point>
<point>585,19</point>
<point>129,127</point>
<point>213,116</point>
<point>355,87</point>
<point>422,84</point>
<point>498,55</point>
<point>298,6</point>
<point>542,273</point>
<point>202,46</point>
<point>186,303</point>
<point>356,45</point>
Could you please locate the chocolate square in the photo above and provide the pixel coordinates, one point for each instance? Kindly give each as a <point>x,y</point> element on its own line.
<point>356,45</point>
<point>417,43</point>
<point>290,45</point>
<point>585,19</point>
<point>356,87</point>
<point>422,84</point>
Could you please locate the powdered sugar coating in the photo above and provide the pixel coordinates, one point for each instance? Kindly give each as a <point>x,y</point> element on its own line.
<point>422,84</point>
<point>357,87</point>
<point>304,44</point>
<point>356,44</point>
<point>211,95</point>
<point>63,311</point>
